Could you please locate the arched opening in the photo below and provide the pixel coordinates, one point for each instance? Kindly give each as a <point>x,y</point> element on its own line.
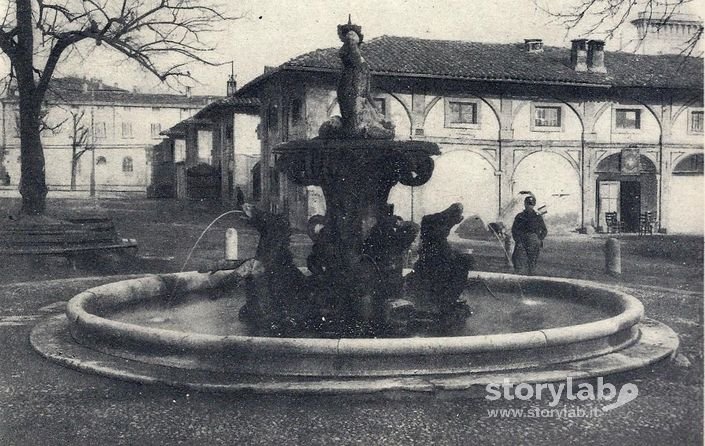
<point>458,176</point>
<point>556,185</point>
<point>626,185</point>
<point>685,200</point>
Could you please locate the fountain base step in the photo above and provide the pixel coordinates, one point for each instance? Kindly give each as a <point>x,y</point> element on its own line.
<point>52,339</point>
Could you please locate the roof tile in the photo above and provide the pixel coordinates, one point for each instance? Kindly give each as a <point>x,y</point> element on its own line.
<point>491,61</point>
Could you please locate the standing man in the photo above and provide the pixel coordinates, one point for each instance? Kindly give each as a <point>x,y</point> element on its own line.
<point>528,232</point>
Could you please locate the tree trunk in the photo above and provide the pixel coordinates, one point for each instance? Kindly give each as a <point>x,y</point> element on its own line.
<point>74,161</point>
<point>73,173</point>
<point>32,181</point>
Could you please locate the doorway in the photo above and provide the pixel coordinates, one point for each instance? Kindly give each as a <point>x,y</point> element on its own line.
<point>622,198</point>
<point>627,195</point>
<point>630,204</point>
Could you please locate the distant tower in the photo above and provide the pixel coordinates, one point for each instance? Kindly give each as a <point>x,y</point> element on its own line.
<point>667,33</point>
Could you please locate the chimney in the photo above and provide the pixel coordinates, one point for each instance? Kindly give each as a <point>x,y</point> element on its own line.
<point>84,87</point>
<point>533,45</point>
<point>269,69</point>
<point>231,86</point>
<point>596,56</point>
<point>188,92</point>
<point>579,54</point>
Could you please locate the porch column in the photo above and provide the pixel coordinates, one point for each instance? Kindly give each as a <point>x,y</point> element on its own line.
<point>506,167</point>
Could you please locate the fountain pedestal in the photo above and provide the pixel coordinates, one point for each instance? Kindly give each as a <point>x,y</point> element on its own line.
<point>359,244</point>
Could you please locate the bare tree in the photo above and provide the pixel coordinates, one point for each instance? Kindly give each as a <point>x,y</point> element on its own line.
<point>79,141</point>
<point>607,17</point>
<point>163,36</point>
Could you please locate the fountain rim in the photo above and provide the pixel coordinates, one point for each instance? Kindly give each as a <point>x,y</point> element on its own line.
<point>82,321</point>
<point>336,144</point>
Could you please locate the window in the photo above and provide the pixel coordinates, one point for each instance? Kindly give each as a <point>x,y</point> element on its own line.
<point>99,129</point>
<point>100,161</point>
<point>547,116</point>
<point>179,150</point>
<point>462,113</point>
<point>696,121</point>
<point>127,164</point>
<point>296,111</point>
<point>155,130</point>
<point>626,118</point>
<point>127,130</point>
<point>381,106</point>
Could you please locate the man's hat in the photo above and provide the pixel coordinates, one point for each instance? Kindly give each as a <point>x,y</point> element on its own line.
<point>530,200</point>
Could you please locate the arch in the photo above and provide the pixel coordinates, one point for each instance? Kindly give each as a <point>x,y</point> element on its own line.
<point>612,164</point>
<point>516,111</point>
<point>463,176</point>
<point>684,107</point>
<point>99,161</point>
<point>430,106</point>
<point>689,165</point>
<point>403,104</point>
<point>561,195</point>
<point>449,148</point>
<point>684,202</point>
<point>575,110</point>
<point>406,110</point>
<point>560,152</point>
<point>653,113</point>
<point>598,114</point>
<point>629,195</point>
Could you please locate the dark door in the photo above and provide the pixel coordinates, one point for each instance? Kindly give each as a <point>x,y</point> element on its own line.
<point>630,204</point>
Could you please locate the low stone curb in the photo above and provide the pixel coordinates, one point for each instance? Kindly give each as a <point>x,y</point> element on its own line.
<point>51,339</point>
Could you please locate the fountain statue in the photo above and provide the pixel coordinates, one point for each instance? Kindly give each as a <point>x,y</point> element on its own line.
<point>356,264</point>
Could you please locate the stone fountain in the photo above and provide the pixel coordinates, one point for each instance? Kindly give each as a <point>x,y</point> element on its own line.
<point>354,320</point>
<point>355,286</point>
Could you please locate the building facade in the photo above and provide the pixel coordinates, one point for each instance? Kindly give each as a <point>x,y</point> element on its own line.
<point>588,132</point>
<point>215,153</point>
<point>108,131</point>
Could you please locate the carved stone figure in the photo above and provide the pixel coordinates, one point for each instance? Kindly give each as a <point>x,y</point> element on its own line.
<point>360,118</point>
<point>440,274</point>
<point>384,250</point>
<point>277,291</point>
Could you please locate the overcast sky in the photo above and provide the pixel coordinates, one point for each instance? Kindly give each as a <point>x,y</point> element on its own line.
<point>273,31</point>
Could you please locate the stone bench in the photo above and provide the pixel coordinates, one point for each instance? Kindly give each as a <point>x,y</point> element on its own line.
<point>65,238</point>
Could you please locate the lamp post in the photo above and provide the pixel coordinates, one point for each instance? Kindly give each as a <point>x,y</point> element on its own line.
<point>92,185</point>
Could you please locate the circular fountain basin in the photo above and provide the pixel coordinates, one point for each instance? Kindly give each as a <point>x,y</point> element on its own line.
<point>171,320</point>
<point>169,330</point>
